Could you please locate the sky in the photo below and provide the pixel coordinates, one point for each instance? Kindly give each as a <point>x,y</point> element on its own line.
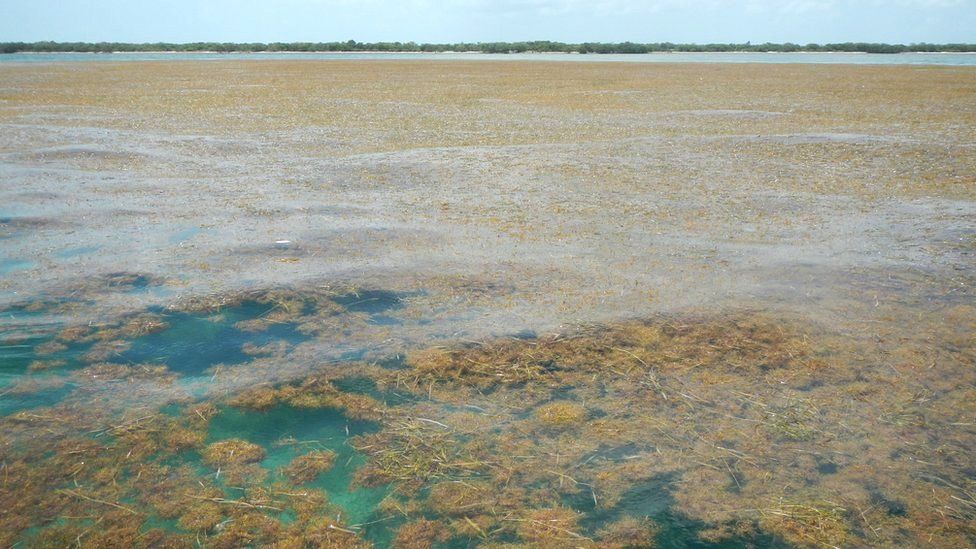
<point>699,21</point>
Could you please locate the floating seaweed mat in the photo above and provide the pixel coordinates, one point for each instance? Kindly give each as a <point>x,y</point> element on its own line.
<point>728,430</point>
<point>734,429</point>
<point>369,301</point>
<point>227,476</point>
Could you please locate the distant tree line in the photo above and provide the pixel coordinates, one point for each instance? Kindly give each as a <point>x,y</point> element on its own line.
<point>483,47</point>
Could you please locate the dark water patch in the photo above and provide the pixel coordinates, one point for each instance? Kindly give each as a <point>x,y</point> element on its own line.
<point>384,320</point>
<point>335,210</point>
<point>356,384</point>
<point>652,499</point>
<point>811,385</point>
<point>16,353</point>
<point>397,362</point>
<point>316,308</point>
<point>127,281</point>
<point>827,468</point>
<point>37,196</point>
<point>894,508</point>
<point>90,288</point>
<point>619,453</point>
<point>354,355</point>
<point>83,153</point>
<point>15,222</point>
<point>279,250</point>
<point>679,532</point>
<point>193,343</point>
<point>21,353</point>
<point>363,385</point>
<point>368,355</point>
<point>30,355</point>
<point>170,410</point>
<point>44,309</point>
<point>325,426</point>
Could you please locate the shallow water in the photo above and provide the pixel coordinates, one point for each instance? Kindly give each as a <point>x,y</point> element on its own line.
<point>11,265</point>
<point>964,59</point>
<point>191,345</point>
<point>285,433</point>
<point>591,304</point>
<point>182,236</point>
<point>72,253</point>
<point>523,418</point>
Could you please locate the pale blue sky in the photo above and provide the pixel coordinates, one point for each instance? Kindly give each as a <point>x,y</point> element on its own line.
<point>801,21</point>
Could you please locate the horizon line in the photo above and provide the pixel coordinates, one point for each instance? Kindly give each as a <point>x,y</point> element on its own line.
<point>522,46</point>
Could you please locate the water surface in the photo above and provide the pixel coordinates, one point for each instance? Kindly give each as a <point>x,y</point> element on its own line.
<point>963,59</point>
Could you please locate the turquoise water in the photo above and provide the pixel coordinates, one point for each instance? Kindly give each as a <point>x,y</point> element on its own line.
<point>962,59</point>
<point>13,402</point>
<point>191,344</point>
<point>10,265</point>
<point>22,336</point>
<point>286,432</point>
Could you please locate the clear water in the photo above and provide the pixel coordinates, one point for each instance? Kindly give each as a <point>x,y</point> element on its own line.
<point>192,344</point>
<point>316,429</point>
<point>712,404</point>
<point>21,335</point>
<point>189,345</point>
<point>11,402</point>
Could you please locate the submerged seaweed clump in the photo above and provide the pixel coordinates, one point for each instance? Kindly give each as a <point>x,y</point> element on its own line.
<point>421,534</point>
<point>628,532</point>
<point>201,516</point>
<point>745,428</point>
<point>560,414</point>
<point>308,466</point>
<point>556,527</point>
<point>742,413</point>
<point>313,392</point>
<point>232,452</point>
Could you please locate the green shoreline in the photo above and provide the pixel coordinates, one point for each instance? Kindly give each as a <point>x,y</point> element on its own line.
<point>481,47</point>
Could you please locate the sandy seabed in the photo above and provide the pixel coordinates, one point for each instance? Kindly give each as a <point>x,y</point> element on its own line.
<point>569,304</point>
